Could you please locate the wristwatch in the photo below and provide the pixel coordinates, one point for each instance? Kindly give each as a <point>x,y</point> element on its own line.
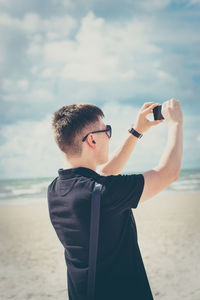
<point>135,133</point>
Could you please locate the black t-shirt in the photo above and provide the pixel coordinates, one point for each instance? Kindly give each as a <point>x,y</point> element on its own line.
<point>120,272</point>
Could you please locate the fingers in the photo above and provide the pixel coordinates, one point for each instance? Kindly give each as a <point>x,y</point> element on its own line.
<point>149,109</point>
<point>147,104</point>
<point>172,102</point>
<point>153,123</point>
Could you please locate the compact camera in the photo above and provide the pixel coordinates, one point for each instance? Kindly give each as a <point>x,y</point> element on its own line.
<point>157,113</point>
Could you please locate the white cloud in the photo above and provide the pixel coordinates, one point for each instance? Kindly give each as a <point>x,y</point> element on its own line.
<point>11,86</point>
<point>29,149</point>
<point>40,94</point>
<point>31,23</point>
<point>99,52</point>
<point>8,21</point>
<point>165,76</point>
<point>34,69</point>
<point>13,90</point>
<point>59,27</point>
<point>59,52</point>
<point>9,3</point>
<point>23,84</point>
<point>111,59</point>
<point>34,49</point>
<point>48,72</point>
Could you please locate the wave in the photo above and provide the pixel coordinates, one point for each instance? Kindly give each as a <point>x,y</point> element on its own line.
<point>13,191</point>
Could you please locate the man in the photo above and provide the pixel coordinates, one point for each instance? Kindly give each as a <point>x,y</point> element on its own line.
<point>83,137</point>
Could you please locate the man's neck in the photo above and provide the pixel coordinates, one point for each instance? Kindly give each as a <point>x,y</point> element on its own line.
<point>70,164</point>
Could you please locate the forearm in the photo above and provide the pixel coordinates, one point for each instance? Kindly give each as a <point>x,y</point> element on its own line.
<point>116,164</point>
<point>121,156</point>
<point>171,158</point>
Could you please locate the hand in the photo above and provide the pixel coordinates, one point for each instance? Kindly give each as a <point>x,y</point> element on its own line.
<point>142,124</point>
<point>171,111</point>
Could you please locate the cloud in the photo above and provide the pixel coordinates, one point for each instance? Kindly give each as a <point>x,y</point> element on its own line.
<point>9,3</point>
<point>112,59</point>
<point>13,90</point>
<point>21,84</point>
<point>28,149</point>
<point>121,54</point>
<point>54,27</point>
<point>99,52</point>
<point>107,60</point>
<point>41,94</point>
<point>165,76</point>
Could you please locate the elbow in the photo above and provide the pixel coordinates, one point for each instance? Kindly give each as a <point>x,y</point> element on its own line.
<point>176,175</point>
<point>171,174</point>
<point>175,179</point>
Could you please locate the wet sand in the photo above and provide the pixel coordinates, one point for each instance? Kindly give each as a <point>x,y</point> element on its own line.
<point>32,262</point>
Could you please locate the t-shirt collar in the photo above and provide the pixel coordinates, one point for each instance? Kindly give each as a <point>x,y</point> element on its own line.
<point>72,172</point>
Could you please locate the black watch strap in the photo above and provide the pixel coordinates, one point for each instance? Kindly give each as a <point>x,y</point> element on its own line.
<point>135,133</point>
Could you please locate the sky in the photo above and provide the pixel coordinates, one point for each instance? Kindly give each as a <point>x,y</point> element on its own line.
<point>113,54</point>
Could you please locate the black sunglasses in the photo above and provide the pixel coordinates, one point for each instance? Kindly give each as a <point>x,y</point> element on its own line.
<point>108,131</point>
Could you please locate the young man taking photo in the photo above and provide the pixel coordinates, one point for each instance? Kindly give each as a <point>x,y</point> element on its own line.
<point>82,136</point>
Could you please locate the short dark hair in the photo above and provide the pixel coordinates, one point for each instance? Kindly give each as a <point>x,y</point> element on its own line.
<point>70,124</point>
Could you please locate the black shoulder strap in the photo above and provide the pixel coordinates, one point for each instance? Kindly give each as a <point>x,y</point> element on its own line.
<point>94,233</point>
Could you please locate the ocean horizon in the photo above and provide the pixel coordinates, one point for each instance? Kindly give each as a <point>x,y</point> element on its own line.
<point>31,190</point>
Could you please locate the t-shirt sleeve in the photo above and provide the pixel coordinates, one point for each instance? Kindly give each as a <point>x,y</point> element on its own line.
<point>123,191</point>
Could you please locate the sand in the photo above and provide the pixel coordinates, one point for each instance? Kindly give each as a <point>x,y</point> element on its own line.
<point>32,262</point>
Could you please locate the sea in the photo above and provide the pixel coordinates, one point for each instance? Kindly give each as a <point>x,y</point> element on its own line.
<point>32,190</point>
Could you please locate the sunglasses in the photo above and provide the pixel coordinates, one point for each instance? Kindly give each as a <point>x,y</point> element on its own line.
<point>108,131</point>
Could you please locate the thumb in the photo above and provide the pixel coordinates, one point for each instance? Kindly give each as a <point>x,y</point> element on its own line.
<point>156,122</point>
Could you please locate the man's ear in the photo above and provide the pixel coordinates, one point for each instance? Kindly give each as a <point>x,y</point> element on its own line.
<point>91,139</point>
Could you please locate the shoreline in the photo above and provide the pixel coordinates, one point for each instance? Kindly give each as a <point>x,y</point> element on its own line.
<point>43,200</point>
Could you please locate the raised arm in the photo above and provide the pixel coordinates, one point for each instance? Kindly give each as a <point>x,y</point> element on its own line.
<point>118,161</point>
<point>168,168</point>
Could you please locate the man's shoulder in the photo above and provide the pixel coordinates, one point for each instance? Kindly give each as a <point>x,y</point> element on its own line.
<point>52,183</point>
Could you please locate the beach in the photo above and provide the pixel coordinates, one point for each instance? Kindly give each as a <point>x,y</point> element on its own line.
<point>32,258</point>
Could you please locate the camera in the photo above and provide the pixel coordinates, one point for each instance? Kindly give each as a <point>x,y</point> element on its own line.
<point>157,113</point>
